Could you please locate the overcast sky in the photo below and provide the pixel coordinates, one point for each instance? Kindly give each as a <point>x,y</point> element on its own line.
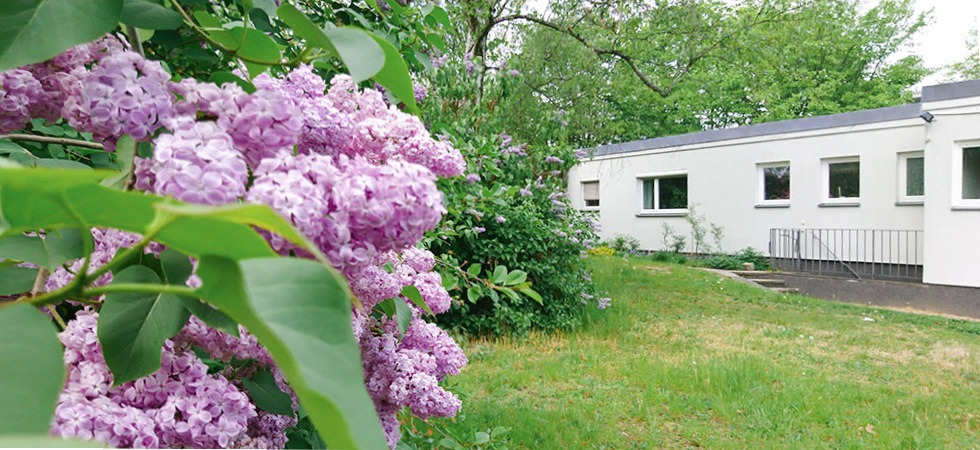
<point>944,41</point>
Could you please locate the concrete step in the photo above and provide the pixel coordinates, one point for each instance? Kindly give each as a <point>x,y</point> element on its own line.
<point>752,274</point>
<point>786,290</point>
<point>770,283</point>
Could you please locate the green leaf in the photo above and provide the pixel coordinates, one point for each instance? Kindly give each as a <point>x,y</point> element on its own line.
<point>60,164</point>
<point>403,314</point>
<point>16,280</point>
<point>38,30</point>
<point>436,41</point>
<point>394,75</point>
<point>300,311</point>
<point>516,277</point>
<point>473,294</point>
<point>150,15</point>
<point>8,147</point>
<point>246,214</point>
<point>222,77</point>
<point>499,275</point>
<point>474,269</point>
<point>32,368</point>
<point>45,441</point>
<point>413,294</point>
<point>50,252</point>
<point>267,6</point>
<point>125,151</point>
<point>177,267</point>
<point>510,293</point>
<point>133,326</point>
<point>266,394</point>
<point>450,444</point>
<point>256,45</point>
<point>399,310</point>
<point>481,437</point>
<point>32,199</point>
<point>441,16</point>
<point>533,294</point>
<point>363,56</point>
<point>449,281</point>
<point>211,316</point>
<point>303,27</point>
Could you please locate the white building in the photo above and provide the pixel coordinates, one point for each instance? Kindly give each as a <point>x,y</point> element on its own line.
<point>898,185</point>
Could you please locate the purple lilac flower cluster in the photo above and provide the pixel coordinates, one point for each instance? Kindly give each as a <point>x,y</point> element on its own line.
<point>180,405</point>
<point>356,175</point>
<point>350,121</point>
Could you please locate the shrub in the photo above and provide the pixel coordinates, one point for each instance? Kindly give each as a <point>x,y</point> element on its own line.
<point>623,243</point>
<point>735,261</point>
<point>510,211</point>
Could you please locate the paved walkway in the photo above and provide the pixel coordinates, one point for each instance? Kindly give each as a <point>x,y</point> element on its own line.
<point>949,300</point>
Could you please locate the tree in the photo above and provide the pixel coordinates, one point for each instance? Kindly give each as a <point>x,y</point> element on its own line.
<point>713,65</point>
<point>969,68</point>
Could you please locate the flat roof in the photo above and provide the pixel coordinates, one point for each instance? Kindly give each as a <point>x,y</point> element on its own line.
<point>910,111</point>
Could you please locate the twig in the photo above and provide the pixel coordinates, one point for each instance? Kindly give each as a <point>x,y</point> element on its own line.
<point>39,284</point>
<point>53,140</point>
<point>230,52</point>
<point>134,40</point>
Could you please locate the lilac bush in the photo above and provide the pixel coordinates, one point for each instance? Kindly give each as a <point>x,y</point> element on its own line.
<point>357,176</point>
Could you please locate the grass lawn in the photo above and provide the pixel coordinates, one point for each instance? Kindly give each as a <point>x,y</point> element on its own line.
<point>686,359</point>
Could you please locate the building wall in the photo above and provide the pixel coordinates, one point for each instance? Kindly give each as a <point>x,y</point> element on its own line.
<point>952,253</point>
<point>723,184</point>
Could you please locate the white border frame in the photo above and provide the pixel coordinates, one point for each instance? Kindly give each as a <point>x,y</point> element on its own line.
<point>903,160</point>
<point>760,198</point>
<point>657,212</point>
<point>956,178</point>
<point>581,185</point>
<point>825,182</point>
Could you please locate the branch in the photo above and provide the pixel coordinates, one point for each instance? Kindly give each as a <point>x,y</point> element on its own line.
<point>53,140</point>
<point>664,92</point>
<point>142,288</point>
<point>230,52</point>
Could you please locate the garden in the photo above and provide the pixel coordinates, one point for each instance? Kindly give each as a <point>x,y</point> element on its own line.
<point>333,224</point>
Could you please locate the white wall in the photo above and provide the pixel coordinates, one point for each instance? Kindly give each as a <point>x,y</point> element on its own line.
<point>952,253</point>
<point>723,182</point>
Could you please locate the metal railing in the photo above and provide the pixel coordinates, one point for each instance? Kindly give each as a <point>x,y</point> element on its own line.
<point>856,253</point>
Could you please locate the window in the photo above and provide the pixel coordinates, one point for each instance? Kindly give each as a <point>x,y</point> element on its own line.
<point>911,178</point>
<point>971,173</point>
<point>774,184</point>
<point>590,194</point>
<point>664,193</point>
<point>842,181</point>
<point>966,176</point>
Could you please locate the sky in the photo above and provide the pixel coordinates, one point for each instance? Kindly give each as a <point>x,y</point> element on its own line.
<point>943,42</point>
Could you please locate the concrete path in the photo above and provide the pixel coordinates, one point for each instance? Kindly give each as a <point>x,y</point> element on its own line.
<point>916,297</point>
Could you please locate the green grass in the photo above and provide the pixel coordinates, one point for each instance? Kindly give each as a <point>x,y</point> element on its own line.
<point>686,359</point>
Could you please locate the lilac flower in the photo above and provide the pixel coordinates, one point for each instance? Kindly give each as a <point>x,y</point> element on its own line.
<point>262,124</point>
<point>505,140</point>
<point>19,90</point>
<point>439,61</point>
<point>420,92</point>
<point>553,160</point>
<point>604,303</point>
<point>124,94</point>
<point>500,219</point>
<point>198,164</point>
<point>472,178</point>
<point>479,229</point>
<point>514,73</point>
<point>525,192</point>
